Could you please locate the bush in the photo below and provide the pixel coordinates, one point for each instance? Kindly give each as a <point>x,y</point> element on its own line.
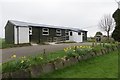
<point>82,51</point>
<point>15,65</point>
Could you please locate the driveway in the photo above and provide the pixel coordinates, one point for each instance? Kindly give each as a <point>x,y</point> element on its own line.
<point>33,50</point>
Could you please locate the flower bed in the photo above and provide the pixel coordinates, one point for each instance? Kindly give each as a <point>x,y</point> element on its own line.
<point>35,66</point>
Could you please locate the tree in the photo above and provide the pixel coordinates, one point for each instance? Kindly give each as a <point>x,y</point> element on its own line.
<point>98,33</point>
<point>98,36</point>
<point>106,24</point>
<point>116,32</point>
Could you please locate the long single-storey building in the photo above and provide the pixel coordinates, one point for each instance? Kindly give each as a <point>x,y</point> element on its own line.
<point>18,32</point>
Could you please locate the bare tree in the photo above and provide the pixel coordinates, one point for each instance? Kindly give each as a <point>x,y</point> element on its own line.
<point>106,24</point>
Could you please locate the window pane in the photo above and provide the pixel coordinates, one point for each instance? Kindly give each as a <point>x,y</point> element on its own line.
<point>45,29</point>
<point>79,33</point>
<point>70,33</point>
<point>45,32</point>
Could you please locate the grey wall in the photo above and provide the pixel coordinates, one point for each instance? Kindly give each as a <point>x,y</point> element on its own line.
<point>9,33</point>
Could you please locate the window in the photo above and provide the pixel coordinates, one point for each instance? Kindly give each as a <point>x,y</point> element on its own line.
<point>45,31</point>
<point>66,32</point>
<point>83,34</point>
<point>79,33</point>
<point>58,32</point>
<point>71,33</point>
<point>30,30</point>
<point>67,37</point>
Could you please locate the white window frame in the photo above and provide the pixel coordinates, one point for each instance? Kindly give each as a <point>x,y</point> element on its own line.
<point>45,31</point>
<point>58,33</point>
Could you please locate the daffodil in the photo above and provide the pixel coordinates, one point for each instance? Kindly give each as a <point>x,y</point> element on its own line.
<point>65,50</point>
<point>80,46</point>
<point>22,61</point>
<point>13,56</point>
<point>41,58</point>
<point>24,57</point>
<point>74,50</point>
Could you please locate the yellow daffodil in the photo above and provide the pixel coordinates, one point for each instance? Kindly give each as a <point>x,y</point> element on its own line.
<point>22,61</point>
<point>24,57</point>
<point>74,50</point>
<point>13,56</point>
<point>77,46</point>
<point>65,49</point>
<point>80,46</point>
<point>41,58</point>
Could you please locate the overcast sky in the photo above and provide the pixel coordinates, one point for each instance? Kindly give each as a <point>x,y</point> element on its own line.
<point>83,14</point>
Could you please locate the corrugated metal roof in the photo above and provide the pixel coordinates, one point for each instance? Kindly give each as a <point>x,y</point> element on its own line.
<point>21,23</point>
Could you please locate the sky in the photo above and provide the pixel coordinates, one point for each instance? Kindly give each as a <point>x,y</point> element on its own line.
<point>82,14</point>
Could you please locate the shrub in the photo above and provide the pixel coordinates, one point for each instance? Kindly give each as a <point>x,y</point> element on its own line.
<point>71,53</point>
<point>16,65</point>
<point>83,51</point>
<point>77,50</point>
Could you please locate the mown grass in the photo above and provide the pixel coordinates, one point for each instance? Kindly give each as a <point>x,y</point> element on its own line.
<point>47,57</point>
<point>3,44</point>
<point>0,42</point>
<point>99,67</point>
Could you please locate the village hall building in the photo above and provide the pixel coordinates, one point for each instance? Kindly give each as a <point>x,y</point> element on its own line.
<point>18,32</point>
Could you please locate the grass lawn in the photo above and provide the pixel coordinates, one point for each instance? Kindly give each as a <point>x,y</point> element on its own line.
<point>3,44</point>
<point>105,66</point>
<point>0,42</point>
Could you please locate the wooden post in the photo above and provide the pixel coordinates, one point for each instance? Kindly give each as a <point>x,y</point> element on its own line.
<point>44,54</point>
<point>93,44</point>
<point>44,51</point>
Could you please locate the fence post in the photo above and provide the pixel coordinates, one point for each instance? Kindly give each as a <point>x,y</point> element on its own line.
<point>93,44</point>
<point>44,54</point>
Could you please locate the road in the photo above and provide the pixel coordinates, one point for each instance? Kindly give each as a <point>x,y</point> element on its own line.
<point>33,50</point>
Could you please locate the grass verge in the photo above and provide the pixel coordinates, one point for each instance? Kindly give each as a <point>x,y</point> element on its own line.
<point>99,67</point>
<point>3,44</point>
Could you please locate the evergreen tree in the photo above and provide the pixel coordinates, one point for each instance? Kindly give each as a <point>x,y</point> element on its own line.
<point>116,32</point>
<point>98,33</point>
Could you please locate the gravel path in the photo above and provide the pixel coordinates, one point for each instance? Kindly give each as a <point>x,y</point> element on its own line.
<point>33,50</point>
